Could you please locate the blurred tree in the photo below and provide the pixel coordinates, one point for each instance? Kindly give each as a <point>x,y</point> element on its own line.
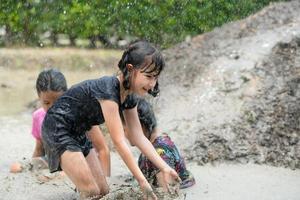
<point>8,20</point>
<point>51,18</point>
<point>98,23</point>
<point>20,19</point>
<point>164,22</point>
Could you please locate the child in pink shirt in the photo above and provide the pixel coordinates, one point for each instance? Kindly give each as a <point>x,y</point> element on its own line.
<point>50,85</point>
<point>37,121</point>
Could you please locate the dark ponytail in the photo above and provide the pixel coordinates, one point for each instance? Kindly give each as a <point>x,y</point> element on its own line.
<point>122,66</point>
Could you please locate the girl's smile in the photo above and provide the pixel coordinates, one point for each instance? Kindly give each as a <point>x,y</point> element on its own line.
<point>143,82</point>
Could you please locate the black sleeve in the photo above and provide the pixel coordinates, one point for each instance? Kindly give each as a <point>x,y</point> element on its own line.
<point>105,89</point>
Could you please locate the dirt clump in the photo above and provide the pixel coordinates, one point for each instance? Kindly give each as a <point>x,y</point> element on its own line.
<point>233,94</point>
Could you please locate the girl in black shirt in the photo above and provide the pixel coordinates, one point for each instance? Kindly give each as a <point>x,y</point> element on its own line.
<point>90,103</point>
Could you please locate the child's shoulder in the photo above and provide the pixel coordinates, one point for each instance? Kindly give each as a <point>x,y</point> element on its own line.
<point>104,80</point>
<point>108,82</point>
<point>39,112</point>
<point>109,79</point>
<point>106,87</point>
<point>101,83</point>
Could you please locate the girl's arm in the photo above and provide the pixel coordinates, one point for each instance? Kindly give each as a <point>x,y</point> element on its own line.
<point>98,140</point>
<point>135,133</point>
<point>38,149</point>
<point>110,110</point>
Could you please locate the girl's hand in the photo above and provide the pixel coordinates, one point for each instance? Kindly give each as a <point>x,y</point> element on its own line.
<point>170,180</point>
<point>147,191</point>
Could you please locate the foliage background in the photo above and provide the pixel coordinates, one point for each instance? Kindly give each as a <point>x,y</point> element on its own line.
<point>166,22</point>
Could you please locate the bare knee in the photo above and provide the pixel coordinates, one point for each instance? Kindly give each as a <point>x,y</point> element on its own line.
<point>77,169</point>
<point>104,190</point>
<point>97,172</point>
<point>94,194</point>
<point>89,191</point>
<point>93,190</point>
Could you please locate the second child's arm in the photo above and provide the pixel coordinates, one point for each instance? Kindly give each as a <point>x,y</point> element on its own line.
<point>38,149</point>
<point>136,135</point>
<point>113,122</point>
<point>99,143</point>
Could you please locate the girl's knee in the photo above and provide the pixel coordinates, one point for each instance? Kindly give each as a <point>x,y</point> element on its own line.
<point>90,193</point>
<point>94,193</point>
<point>104,190</point>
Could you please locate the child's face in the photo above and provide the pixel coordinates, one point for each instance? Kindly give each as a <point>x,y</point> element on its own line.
<point>142,82</point>
<point>48,98</point>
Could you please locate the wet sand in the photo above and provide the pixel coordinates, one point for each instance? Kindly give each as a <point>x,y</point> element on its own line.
<point>222,181</point>
<point>244,182</point>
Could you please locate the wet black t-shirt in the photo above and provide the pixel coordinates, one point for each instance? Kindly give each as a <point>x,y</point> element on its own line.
<point>79,106</point>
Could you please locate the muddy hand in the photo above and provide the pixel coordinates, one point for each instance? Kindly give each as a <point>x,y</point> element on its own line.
<point>171,180</point>
<point>148,193</point>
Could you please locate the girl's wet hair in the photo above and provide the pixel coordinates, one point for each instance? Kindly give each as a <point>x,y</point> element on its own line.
<point>142,55</point>
<point>51,80</point>
<point>146,116</point>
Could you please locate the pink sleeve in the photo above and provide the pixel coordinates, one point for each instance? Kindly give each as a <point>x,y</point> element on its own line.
<point>37,121</point>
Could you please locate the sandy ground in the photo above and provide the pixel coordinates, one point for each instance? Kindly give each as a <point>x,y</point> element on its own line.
<point>242,46</point>
<point>221,181</point>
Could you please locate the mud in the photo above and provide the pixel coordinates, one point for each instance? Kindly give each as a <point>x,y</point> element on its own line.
<point>232,94</point>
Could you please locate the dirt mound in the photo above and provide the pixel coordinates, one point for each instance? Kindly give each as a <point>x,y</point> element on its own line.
<point>233,94</point>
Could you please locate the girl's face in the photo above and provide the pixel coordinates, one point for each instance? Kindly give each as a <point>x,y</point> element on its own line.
<point>142,82</point>
<point>48,98</point>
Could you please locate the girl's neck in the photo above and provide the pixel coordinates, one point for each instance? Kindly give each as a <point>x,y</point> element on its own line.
<point>123,93</point>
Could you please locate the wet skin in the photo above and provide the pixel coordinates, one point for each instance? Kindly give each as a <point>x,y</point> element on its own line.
<point>48,98</point>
